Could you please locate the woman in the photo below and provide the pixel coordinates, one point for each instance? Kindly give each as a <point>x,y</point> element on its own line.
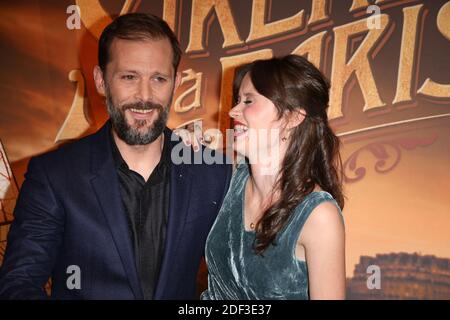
<point>280,233</point>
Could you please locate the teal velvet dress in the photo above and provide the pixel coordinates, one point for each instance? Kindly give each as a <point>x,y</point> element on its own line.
<point>235,272</point>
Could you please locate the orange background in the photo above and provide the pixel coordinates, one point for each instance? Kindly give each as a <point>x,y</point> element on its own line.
<point>400,203</point>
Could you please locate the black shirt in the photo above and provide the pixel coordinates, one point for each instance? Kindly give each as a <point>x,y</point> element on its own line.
<point>147,205</point>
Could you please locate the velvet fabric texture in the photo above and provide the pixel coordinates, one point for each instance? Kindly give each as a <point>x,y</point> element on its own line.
<point>236,272</point>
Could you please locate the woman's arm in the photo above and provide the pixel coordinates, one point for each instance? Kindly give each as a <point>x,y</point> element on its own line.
<point>323,237</point>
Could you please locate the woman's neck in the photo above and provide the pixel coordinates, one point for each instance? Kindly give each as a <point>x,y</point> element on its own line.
<point>262,183</point>
<point>265,170</point>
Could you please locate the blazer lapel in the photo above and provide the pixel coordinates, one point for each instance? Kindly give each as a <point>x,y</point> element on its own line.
<point>106,186</point>
<point>180,194</point>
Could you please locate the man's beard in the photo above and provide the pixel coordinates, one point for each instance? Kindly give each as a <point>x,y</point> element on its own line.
<point>129,134</point>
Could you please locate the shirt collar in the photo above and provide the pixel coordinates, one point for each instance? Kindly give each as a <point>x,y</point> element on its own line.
<point>120,163</point>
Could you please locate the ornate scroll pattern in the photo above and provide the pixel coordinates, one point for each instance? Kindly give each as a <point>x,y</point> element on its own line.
<point>76,122</point>
<point>8,189</point>
<point>387,154</point>
<point>8,197</point>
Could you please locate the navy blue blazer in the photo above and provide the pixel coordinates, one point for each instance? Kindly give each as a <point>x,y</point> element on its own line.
<point>70,213</point>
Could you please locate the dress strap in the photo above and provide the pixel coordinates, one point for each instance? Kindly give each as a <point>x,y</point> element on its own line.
<point>239,177</point>
<point>302,213</point>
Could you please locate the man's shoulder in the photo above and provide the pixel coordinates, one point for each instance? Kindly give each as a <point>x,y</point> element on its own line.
<point>182,154</point>
<point>206,164</point>
<point>71,150</point>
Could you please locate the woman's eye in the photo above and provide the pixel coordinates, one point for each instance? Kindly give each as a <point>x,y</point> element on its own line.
<point>238,101</point>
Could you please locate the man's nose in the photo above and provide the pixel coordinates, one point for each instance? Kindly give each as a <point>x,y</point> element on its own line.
<point>144,92</point>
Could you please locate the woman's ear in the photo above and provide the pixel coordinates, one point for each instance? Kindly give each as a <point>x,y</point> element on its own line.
<point>295,118</point>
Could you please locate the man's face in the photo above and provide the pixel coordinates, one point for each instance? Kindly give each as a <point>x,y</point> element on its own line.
<point>138,84</point>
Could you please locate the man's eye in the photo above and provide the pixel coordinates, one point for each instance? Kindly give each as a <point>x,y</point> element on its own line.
<point>160,79</point>
<point>128,77</point>
<point>247,101</point>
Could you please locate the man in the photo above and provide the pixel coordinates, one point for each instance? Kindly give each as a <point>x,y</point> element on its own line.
<point>111,216</point>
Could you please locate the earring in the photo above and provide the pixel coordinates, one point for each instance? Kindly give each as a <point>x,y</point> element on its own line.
<point>284,139</point>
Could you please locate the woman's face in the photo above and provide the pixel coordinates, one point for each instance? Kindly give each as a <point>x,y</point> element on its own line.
<point>257,130</point>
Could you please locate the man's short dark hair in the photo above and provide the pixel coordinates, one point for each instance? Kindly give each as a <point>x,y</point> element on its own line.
<point>136,26</point>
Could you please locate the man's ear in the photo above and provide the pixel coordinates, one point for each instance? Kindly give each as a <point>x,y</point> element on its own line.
<point>296,118</point>
<point>99,80</point>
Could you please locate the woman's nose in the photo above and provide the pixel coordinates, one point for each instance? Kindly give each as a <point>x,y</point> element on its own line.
<point>234,112</point>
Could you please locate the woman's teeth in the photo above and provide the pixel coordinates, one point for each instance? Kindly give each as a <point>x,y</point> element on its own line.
<point>240,128</point>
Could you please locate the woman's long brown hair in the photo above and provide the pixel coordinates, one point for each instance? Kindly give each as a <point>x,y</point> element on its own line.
<point>312,157</point>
